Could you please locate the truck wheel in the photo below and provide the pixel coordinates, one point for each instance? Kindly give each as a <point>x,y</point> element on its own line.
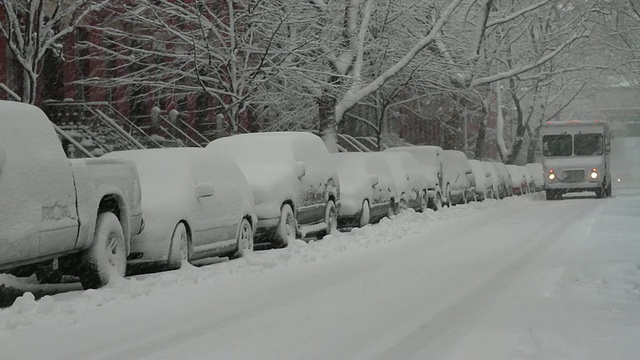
<point>599,192</point>
<point>179,250</point>
<point>550,194</point>
<point>106,259</point>
<point>245,240</point>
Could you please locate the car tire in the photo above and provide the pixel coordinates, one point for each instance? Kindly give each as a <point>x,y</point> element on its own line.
<point>437,202</point>
<point>106,258</point>
<point>365,214</point>
<point>424,202</point>
<point>180,250</point>
<point>287,227</point>
<point>391,209</point>
<point>244,238</point>
<point>402,205</point>
<point>331,219</point>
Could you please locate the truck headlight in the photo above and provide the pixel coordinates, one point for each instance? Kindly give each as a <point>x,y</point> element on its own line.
<point>594,175</point>
<point>552,176</point>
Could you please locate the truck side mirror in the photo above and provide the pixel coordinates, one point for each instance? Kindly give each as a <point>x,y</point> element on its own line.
<point>205,189</point>
<point>3,157</point>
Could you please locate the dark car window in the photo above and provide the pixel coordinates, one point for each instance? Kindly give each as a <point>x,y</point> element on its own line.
<point>556,145</point>
<point>588,144</point>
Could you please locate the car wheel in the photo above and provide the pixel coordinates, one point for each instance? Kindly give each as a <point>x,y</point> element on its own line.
<point>331,219</point>
<point>391,208</point>
<point>424,202</point>
<point>365,215</point>
<point>244,239</point>
<point>286,230</point>
<point>106,258</point>
<point>402,205</point>
<point>437,202</point>
<point>179,251</point>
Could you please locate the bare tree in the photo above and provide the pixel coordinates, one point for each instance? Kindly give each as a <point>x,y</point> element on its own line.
<point>218,53</point>
<point>34,28</point>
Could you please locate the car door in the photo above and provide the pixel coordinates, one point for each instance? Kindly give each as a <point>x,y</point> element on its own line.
<point>38,215</point>
<point>312,198</point>
<point>217,203</point>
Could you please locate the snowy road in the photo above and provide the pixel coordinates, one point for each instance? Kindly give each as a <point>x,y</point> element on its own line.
<point>521,278</point>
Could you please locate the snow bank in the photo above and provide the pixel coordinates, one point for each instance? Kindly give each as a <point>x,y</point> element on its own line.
<point>69,308</point>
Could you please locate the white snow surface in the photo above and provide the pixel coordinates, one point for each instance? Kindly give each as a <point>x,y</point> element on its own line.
<point>519,278</point>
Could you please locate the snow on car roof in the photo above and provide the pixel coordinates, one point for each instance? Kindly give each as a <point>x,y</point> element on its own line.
<point>455,159</point>
<point>425,155</point>
<point>184,164</point>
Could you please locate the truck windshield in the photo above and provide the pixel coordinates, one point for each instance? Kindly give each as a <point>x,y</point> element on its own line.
<point>588,144</point>
<point>556,145</point>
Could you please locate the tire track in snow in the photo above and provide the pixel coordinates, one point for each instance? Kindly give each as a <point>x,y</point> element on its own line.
<point>437,335</point>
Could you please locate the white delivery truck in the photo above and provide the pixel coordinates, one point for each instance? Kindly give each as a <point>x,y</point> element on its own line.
<point>575,157</point>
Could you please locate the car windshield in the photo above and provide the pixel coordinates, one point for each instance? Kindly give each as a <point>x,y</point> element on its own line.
<point>556,145</point>
<point>587,144</point>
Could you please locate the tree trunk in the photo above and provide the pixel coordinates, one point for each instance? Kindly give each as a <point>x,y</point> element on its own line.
<point>533,145</point>
<point>482,133</point>
<point>327,125</point>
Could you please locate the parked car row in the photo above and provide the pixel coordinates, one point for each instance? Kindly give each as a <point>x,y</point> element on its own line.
<point>239,191</point>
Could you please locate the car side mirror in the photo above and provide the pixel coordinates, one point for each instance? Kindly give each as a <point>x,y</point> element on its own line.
<point>374,180</point>
<point>301,169</point>
<point>3,157</point>
<point>468,172</point>
<point>205,189</point>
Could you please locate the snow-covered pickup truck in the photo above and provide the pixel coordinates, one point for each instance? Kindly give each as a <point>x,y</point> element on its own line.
<point>58,215</point>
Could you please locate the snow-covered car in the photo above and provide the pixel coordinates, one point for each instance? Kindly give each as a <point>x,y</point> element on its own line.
<point>61,216</point>
<point>537,172</point>
<point>365,195</point>
<point>202,207</point>
<point>428,157</point>
<point>484,181</point>
<point>531,185</point>
<point>409,178</point>
<point>294,182</point>
<point>498,187</point>
<point>505,175</point>
<point>461,182</point>
<point>518,178</point>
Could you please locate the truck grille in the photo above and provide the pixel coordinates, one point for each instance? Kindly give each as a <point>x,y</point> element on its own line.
<point>573,176</point>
